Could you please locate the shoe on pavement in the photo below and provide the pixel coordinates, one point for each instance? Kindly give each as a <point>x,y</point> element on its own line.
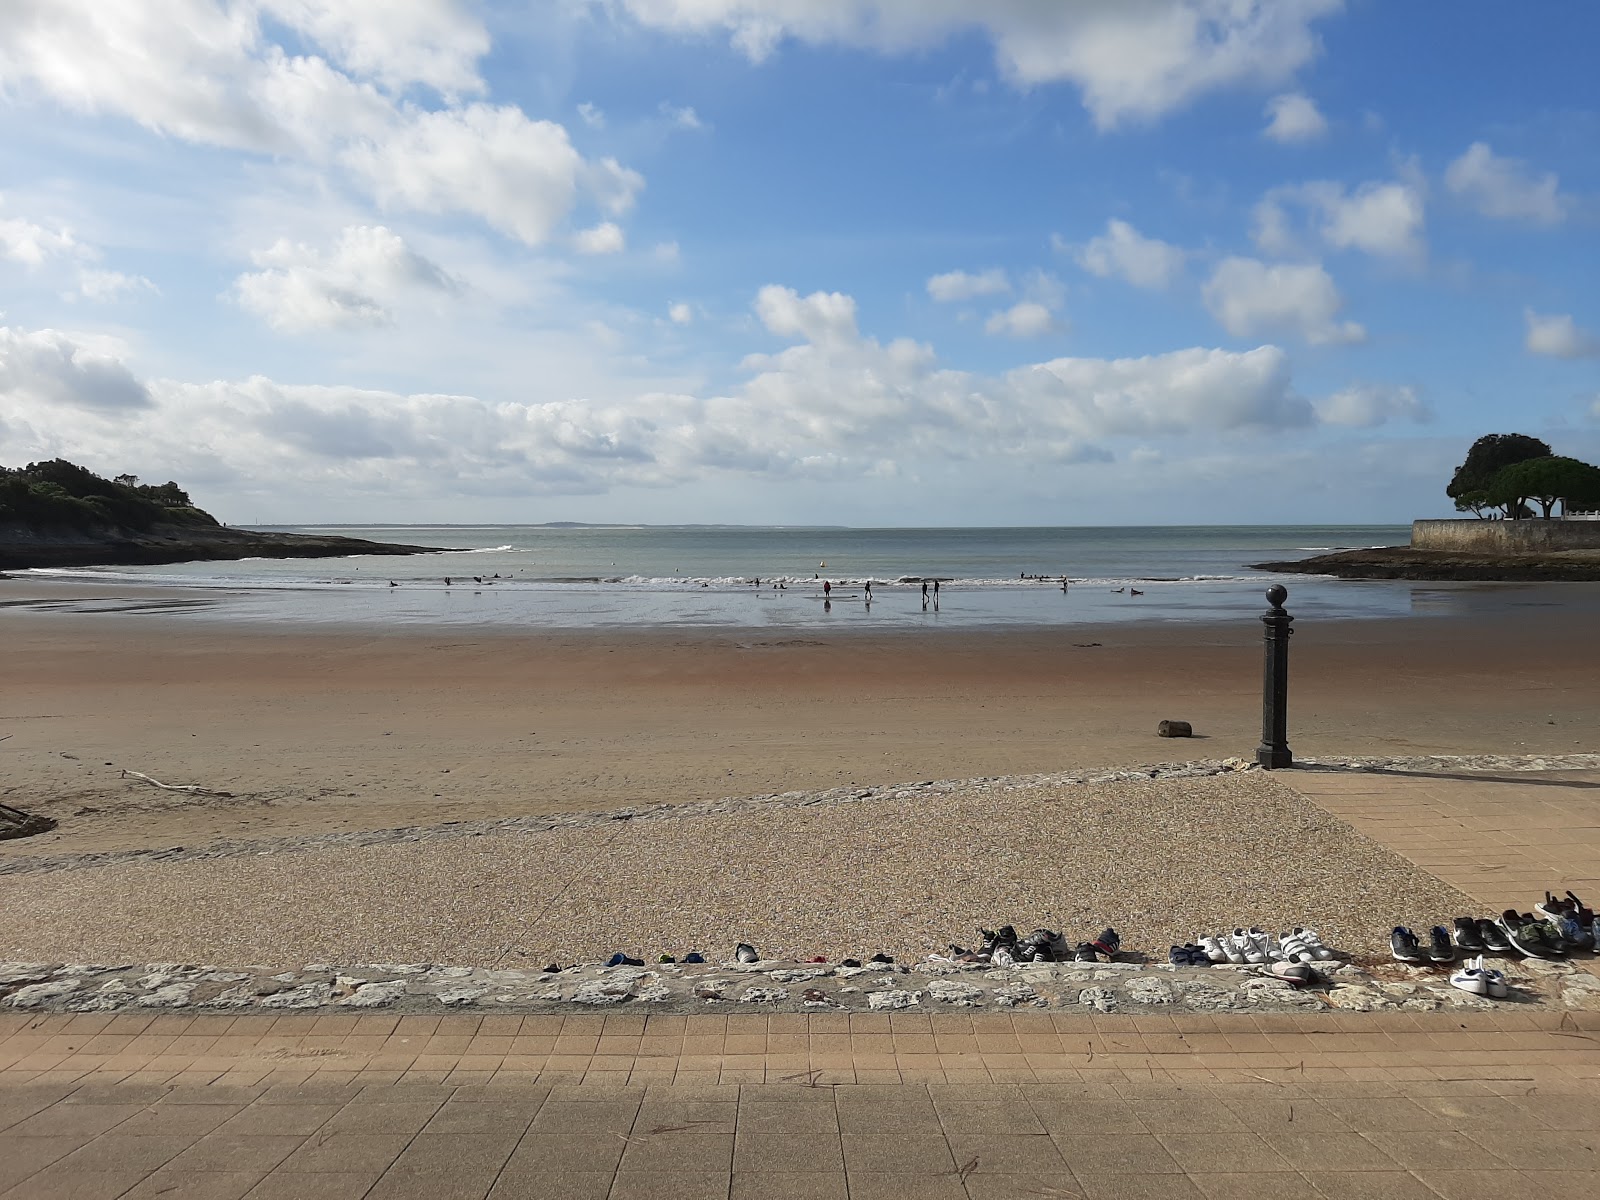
<point>1296,949</point>
<point>1440,949</point>
<point>1085,953</point>
<point>746,953</point>
<point>1293,973</point>
<point>1467,936</point>
<point>1213,949</point>
<point>1107,943</point>
<point>1470,978</point>
<point>1492,936</point>
<point>1405,947</point>
<point>1310,938</point>
<point>1252,951</point>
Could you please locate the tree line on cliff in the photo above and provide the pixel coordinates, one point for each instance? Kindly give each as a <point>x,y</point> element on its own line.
<point>1505,473</point>
<point>60,494</point>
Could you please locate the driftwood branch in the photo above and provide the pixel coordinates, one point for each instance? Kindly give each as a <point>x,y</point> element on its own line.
<point>193,788</point>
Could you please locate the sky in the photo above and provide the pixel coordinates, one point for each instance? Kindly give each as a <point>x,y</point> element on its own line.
<point>861,262</point>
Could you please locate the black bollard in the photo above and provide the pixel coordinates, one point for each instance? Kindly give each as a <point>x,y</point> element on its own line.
<point>1273,753</point>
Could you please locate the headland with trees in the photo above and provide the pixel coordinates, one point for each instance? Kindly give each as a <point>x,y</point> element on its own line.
<point>1513,485</point>
<point>58,514</point>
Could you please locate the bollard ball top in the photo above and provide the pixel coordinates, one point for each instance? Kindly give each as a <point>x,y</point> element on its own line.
<point>1277,594</point>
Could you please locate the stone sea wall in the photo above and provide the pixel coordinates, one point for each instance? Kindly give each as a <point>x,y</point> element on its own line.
<point>1505,537</point>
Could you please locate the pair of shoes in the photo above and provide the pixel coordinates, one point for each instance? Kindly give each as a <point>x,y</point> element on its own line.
<point>694,956</point>
<point>1188,955</point>
<point>1405,947</point>
<point>849,962</point>
<point>1573,918</point>
<point>881,957</point>
<point>1480,980</point>
<point>1085,952</point>
<point>1535,938</point>
<point>994,939</point>
<point>619,959</point>
<point>1241,946</point>
<point>1311,941</point>
<point>1477,934</point>
<point>746,953</point>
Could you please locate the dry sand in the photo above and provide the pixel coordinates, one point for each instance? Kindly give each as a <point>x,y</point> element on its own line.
<point>327,731</point>
<point>1162,862</point>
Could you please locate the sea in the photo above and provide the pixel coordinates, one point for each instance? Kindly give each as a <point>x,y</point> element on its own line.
<point>614,576</point>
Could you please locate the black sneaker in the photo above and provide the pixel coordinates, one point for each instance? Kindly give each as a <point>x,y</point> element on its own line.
<point>1178,956</point>
<point>694,956</point>
<point>881,957</point>
<point>1006,936</point>
<point>1107,943</point>
<point>1492,936</point>
<point>849,962</point>
<point>1467,936</point>
<point>1404,945</point>
<point>1523,937</point>
<point>1440,948</point>
<point>1575,934</point>
<point>1085,953</point>
<point>746,953</point>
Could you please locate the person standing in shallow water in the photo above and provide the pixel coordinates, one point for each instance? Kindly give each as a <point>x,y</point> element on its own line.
<point>827,588</point>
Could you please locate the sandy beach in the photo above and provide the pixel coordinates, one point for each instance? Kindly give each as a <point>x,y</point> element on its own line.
<point>316,732</point>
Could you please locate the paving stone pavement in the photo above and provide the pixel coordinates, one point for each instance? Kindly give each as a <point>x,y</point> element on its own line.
<point>1503,837</point>
<point>858,1106</point>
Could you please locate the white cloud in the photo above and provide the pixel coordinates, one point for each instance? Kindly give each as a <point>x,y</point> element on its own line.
<point>51,369</point>
<point>681,117</point>
<point>680,313</point>
<point>1131,61</point>
<point>1368,405</point>
<point>106,286</point>
<point>1294,119</point>
<point>833,404</point>
<point>1027,319</point>
<point>396,42</point>
<point>666,252</point>
<point>1122,251</point>
<point>354,285</point>
<point>25,242</point>
<point>592,116</point>
<point>1248,296</point>
<point>605,238</point>
<point>962,285</point>
<point>1380,218</point>
<point>1505,187</point>
<point>208,72</point>
<point>1558,336</point>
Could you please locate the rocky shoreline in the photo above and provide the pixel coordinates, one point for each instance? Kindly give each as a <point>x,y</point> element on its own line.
<point>22,547</point>
<point>1404,562</point>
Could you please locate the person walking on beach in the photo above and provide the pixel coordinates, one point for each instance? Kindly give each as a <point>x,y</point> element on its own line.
<point>869,589</point>
<point>936,591</point>
<point>827,589</point>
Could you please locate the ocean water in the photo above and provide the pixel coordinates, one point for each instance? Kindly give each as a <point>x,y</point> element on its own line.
<point>614,576</point>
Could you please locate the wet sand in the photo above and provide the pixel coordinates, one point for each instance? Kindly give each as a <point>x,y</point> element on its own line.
<point>314,732</point>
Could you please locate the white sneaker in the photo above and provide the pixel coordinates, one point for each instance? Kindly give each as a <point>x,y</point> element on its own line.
<point>1296,949</point>
<point>1213,949</point>
<point>1313,943</point>
<point>1249,950</point>
<point>1471,979</point>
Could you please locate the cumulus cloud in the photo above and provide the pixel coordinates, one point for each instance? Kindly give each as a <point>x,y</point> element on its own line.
<point>1506,188</point>
<point>605,238</point>
<point>962,285</point>
<point>1379,218</point>
<point>1130,61</point>
<point>680,313</point>
<point>1294,118</point>
<point>1122,251</point>
<point>38,246</point>
<point>1248,296</point>
<point>593,117</point>
<point>353,285</point>
<point>832,403</point>
<point>1368,405</point>
<point>50,369</point>
<point>209,72</point>
<point>1558,336</point>
<point>1027,319</point>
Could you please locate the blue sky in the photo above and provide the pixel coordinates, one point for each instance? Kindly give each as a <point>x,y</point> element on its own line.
<point>846,261</point>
